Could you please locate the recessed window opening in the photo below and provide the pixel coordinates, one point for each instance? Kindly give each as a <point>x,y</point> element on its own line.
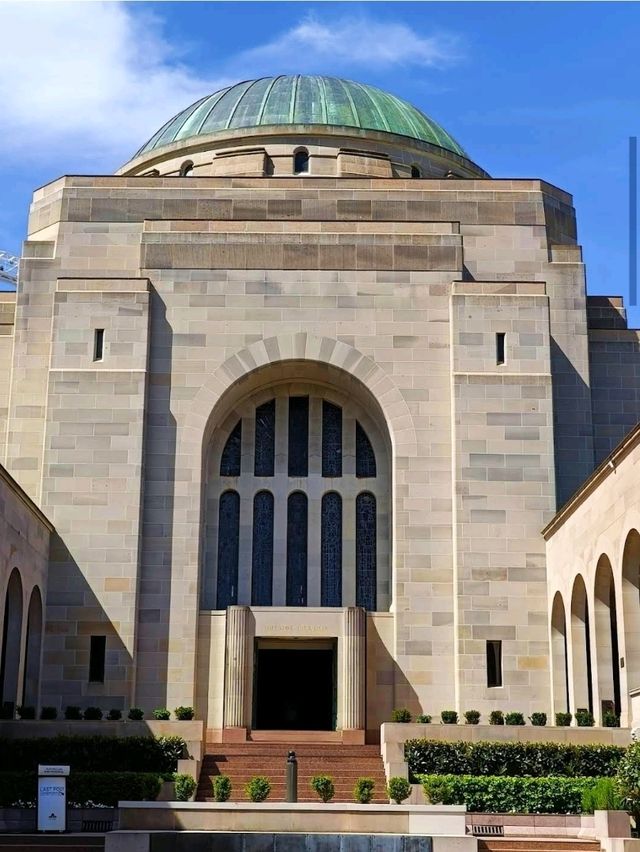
<point>415,172</point>
<point>494,662</point>
<point>186,168</point>
<point>301,162</point>
<point>98,344</point>
<point>500,348</point>
<point>97,653</point>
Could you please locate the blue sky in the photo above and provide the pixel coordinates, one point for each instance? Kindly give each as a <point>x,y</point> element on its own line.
<point>548,90</point>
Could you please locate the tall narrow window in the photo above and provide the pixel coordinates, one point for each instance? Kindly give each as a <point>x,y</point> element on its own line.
<point>301,162</point>
<point>366,559</point>
<point>297,511</point>
<point>331,550</point>
<point>298,435</point>
<point>262,550</point>
<point>98,344</point>
<point>331,439</point>
<point>365,457</point>
<point>232,453</point>
<point>186,168</point>
<point>494,662</point>
<point>265,438</point>
<point>228,548</point>
<point>415,172</point>
<point>500,347</point>
<point>97,653</point>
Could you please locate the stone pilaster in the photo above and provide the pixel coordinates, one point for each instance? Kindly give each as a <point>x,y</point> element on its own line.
<point>236,668</point>
<point>354,666</point>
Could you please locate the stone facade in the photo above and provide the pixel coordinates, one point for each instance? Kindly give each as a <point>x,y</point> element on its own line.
<point>448,316</point>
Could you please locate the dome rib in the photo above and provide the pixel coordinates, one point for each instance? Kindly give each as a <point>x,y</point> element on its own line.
<point>301,100</point>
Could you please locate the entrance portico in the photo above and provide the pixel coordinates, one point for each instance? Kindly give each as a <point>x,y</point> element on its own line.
<point>279,661</point>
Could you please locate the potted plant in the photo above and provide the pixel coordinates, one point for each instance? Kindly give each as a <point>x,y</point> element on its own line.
<point>496,717</point>
<point>584,718</point>
<point>114,714</point>
<point>398,789</point>
<point>472,717</point>
<point>400,715</point>
<point>184,714</point>
<point>161,714</point>
<point>563,720</point>
<point>258,788</point>
<point>323,785</point>
<point>539,720</point>
<point>449,717</point>
<point>514,719</point>
<point>363,790</point>
<point>92,714</point>
<point>424,719</point>
<point>135,714</point>
<point>185,787</point>
<point>221,788</point>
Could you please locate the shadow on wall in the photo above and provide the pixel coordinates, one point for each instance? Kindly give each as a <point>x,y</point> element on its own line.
<point>388,688</point>
<point>71,673</point>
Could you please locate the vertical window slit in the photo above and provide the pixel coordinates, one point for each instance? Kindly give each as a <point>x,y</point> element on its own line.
<point>228,549</point>
<point>500,348</point>
<point>298,436</point>
<point>297,511</point>
<point>98,344</point>
<point>97,654</point>
<point>366,555</point>
<point>262,549</point>
<point>331,550</point>
<point>494,662</point>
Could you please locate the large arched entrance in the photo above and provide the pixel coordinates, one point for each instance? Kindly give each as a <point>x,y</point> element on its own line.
<point>631,610</point>
<point>580,647</point>
<point>606,636</point>
<point>11,639</point>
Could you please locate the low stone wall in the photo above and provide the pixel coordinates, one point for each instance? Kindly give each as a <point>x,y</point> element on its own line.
<point>393,736</point>
<point>249,842</point>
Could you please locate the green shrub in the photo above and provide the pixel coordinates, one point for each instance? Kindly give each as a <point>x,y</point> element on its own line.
<point>490,794</point>
<point>258,788</point>
<point>496,717</point>
<point>610,719</point>
<point>135,714</point>
<point>400,715</point>
<point>221,785</point>
<point>100,788</point>
<point>92,714</point>
<point>433,757</point>
<point>185,787</point>
<point>563,720</point>
<point>114,714</point>
<point>161,714</point>
<point>363,790</point>
<point>539,720</point>
<point>85,753</point>
<point>424,719</point>
<point>398,789</point>
<point>323,785</point>
<point>584,718</point>
<point>449,717</point>
<point>26,712</point>
<point>72,713</point>
<point>602,796</point>
<point>49,713</point>
<point>514,719</point>
<point>7,710</point>
<point>472,717</point>
<point>628,780</point>
<point>184,714</point>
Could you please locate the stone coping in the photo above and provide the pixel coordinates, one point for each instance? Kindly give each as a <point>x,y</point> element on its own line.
<point>339,807</point>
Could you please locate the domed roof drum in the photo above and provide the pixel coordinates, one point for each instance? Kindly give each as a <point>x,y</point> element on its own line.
<point>301,100</point>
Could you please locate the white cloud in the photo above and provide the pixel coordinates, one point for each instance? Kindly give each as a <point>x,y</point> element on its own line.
<point>83,85</point>
<point>92,79</point>
<point>351,42</point>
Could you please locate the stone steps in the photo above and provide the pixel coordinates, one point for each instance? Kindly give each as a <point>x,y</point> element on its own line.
<point>547,844</point>
<point>242,761</point>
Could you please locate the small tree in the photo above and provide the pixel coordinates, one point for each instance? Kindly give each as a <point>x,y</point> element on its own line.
<point>323,785</point>
<point>258,788</point>
<point>185,787</point>
<point>363,791</point>
<point>221,788</point>
<point>398,789</point>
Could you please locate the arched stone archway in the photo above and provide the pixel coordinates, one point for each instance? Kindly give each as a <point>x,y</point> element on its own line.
<point>606,637</point>
<point>580,647</point>
<point>33,649</point>
<point>11,640</point>
<point>631,610</point>
<point>559,661</point>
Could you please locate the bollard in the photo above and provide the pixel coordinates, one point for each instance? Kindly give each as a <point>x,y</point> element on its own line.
<point>291,778</point>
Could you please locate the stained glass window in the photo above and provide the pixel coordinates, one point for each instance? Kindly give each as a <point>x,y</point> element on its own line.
<point>297,549</point>
<point>232,453</point>
<point>262,550</point>
<point>331,550</point>
<point>366,550</point>
<point>228,543</point>
<point>331,439</point>
<point>365,457</point>
<point>265,439</point>
<point>298,436</point>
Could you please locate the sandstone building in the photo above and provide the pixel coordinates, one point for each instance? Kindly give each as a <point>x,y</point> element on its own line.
<point>298,389</point>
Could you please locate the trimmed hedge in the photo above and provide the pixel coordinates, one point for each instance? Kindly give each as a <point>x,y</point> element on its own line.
<point>83,754</point>
<point>432,757</point>
<point>557,795</point>
<point>83,788</point>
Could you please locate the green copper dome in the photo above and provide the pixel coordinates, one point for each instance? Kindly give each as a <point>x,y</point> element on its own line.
<point>301,100</point>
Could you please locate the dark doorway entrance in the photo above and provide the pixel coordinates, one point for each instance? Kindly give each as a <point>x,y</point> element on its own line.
<point>295,686</point>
